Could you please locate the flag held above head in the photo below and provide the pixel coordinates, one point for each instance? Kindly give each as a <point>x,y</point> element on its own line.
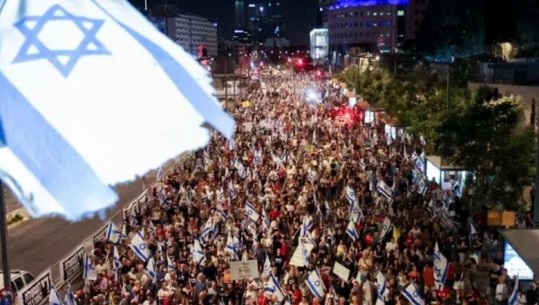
<point>65,117</point>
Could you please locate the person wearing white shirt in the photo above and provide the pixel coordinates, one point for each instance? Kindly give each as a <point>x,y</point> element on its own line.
<point>502,291</point>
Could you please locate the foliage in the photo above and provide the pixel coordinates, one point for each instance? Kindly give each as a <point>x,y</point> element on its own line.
<point>485,137</point>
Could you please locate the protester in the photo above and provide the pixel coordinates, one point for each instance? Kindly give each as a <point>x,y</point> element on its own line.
<point>305,185</point>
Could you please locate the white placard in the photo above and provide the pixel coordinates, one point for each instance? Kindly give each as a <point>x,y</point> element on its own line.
<point>341,271</point>
<point>244,270</point>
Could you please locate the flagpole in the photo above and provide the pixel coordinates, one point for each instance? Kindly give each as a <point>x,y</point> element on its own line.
<point>3,239</point>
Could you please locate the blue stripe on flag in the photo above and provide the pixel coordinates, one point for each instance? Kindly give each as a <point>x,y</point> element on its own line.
<point>47,155</point>
<point>410,297</point>
<point>184,82</point>
<point>313,288</point>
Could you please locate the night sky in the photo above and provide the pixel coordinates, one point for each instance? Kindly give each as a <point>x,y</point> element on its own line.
<point>299,16</point>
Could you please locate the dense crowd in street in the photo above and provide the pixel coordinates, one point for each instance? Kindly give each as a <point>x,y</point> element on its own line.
<point>333,210</point>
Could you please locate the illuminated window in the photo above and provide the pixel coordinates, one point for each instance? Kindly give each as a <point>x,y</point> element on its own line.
<point>400,13</point>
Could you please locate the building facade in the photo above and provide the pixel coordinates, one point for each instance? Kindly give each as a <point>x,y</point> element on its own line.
<point>415,13</point>
<point>191,32</point>
<point>319,45</point>
<point>263,21</point>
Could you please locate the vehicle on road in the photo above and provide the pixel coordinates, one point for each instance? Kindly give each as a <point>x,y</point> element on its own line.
<point>19,279</point>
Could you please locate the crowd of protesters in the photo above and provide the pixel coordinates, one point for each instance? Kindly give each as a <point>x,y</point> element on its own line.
<point>298,155</point>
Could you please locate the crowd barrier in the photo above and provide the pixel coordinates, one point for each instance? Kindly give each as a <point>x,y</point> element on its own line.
<point>69,269</point>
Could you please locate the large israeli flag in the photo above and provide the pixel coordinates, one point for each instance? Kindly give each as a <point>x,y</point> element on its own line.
<point>88,90</point>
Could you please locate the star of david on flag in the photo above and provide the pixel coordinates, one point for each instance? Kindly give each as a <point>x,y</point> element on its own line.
<point>77,78</point>
<point>314,283</point>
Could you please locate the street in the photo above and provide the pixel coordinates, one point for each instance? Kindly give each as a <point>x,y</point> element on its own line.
<point>39,243</point>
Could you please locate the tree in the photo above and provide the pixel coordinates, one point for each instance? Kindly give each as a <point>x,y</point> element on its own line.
<point>486,139</point>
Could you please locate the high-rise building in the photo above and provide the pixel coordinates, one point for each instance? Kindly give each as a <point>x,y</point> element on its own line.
<point>191,32</point>
<point>324,6</point>
<point>239,13</point>
<point>415,13</point>
<point>264,20</point>
<point>376,24</point>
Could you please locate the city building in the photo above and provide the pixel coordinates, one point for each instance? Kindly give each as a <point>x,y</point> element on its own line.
<point>239,14</point>
<point>378,23</point>
<point>324,6</point>
<point>264,20</point>
<point>319,45</point>
<point>191,32</point>
<point>415,13</point>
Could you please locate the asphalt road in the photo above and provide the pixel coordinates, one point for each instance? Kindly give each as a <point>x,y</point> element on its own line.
<point>36,244</point>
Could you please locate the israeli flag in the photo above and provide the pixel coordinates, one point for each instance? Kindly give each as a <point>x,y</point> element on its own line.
<point>139,246</point>
<point>411,293</point>
<point>387,227</point>
<point>232,245</point>
<point>440,267</point>
<point>88,271</point>
<point>267,266</point>
<point>251,212</point>
<point>69,298</point>
<point>355,212</point>
<point>315,284</point>
<point>150,269</point>
<point>113,234</point>
<point>274,288</point>
<point>208,229</point>
<point>382,288</point>
<point>78,77</point>
<point>116,259</point>
<point>419,163</point>
<point>513,298</point>
<point>54,298</point>
<point>350,195</point>
<point>384,189</point>
<point>351,231</point>
<point>197,253</point>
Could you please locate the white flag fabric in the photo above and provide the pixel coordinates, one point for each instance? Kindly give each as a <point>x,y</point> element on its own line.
<point>351,231</point>
<point>387,227</point>
<point>315,284</point>
<point>116,259</point>
<point>197,253</point>
<point>384,189</point>
<point>54,298</point>
<point>138,245</point>
<point>267,266</point>
<point>350,194</point>
<point>273,287</point>
<point>513,298</point>
<point>440,267</point>
<point>78,77</point>
<point>382,288</point>
<point>251,212</point>
<point>88,271</point>
<point>411,293</point>
<point>69,298</point>
<point>150,269</point>
<point>113,234</point>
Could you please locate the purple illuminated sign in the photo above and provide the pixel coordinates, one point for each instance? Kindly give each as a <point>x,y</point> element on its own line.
<point>356,3</point>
